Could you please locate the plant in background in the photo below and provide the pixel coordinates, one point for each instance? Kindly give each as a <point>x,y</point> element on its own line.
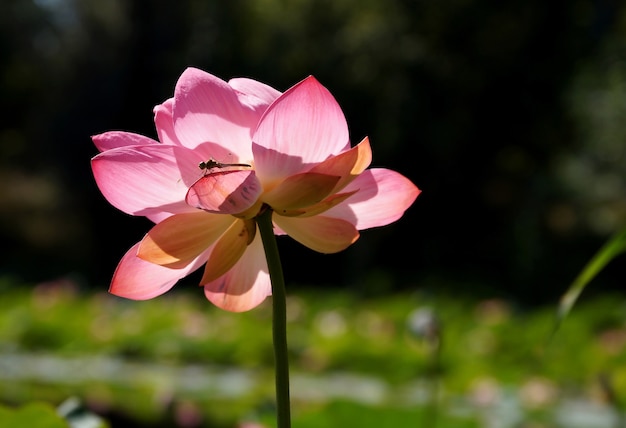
<point>236,164</point>
<point>615,246</point>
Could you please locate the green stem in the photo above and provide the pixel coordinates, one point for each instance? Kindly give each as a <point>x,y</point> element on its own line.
<point>279,324</point>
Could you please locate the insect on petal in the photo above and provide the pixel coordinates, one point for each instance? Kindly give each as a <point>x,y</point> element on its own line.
<point>225,192</point>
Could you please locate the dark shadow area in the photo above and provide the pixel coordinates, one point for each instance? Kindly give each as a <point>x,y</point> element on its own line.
<point>507,115</point>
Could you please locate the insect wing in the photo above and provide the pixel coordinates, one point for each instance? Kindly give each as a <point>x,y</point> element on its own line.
<point>225,192</point>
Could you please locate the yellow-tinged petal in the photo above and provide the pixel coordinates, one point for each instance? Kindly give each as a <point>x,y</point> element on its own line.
<point>322,234</point>
<point>244,286</point>
<point>229,249</point>
<point>319,208</point>
<point>300,190</point>
<point>347,165</point>
<point>251,212</point>
<point>178,239</point>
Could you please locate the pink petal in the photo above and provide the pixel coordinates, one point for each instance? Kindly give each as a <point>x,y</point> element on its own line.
<point>348,165</point>
<point>207,109</point>
<point>114,139</point>
<point>225,192</point>
<point>158,217</point>
<point>318,208</point>
<point>320,233</point>
<point>246,285</point>
<point>382,198</point>
<point>179,239</point>
<point>146,180</point>
<point>303,126</point>
<point>165,123</point>
<point>264,94</point>
<point>139,280</point>
<point>300,191</point>
<point>229,249</point>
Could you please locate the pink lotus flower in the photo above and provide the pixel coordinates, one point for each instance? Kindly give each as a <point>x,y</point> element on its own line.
<point>294,158</point>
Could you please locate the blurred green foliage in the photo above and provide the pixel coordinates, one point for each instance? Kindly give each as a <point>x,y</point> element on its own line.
<point>35,415</point>
<point>158,361</point>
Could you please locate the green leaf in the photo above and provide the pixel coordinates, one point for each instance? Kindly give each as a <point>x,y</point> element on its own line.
<point>33,415</point>
<point>610,250</point>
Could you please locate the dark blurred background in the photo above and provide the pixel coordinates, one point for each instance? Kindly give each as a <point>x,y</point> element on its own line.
<point>509,115</point>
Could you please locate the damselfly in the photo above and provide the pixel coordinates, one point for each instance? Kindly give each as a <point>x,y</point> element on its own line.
<point>225,191</point>
<point>208,165</point>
